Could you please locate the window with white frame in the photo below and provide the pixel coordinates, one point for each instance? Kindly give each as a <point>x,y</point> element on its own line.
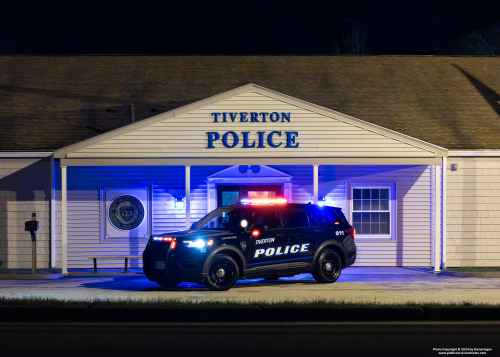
<point>371,211</point>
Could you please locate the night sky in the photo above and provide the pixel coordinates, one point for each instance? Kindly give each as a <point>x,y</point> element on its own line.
<point>238,27</point>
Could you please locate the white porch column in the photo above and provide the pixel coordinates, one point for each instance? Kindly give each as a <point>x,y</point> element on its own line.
<point>64,240</point>
<point>52,213</point>
<point>188,196</point>
<point>443,218</point>
<point>315,184</point>
<point>437,219</point>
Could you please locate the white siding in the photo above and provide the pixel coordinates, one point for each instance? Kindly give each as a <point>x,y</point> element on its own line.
<point>185,135</point>
<point>473,212</point>
<point>24,189</point>
<point>413,244</point>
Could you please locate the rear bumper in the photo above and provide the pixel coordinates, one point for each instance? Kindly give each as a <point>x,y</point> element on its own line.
<point>350,261</point>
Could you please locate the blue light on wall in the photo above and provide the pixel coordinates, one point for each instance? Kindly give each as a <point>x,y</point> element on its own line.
<point>180,203</point>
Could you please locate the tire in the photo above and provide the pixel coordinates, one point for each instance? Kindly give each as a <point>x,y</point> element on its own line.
<point>168,283</point>
<point>222,273</point>
<point>328,267</point>
<point>271,278</point>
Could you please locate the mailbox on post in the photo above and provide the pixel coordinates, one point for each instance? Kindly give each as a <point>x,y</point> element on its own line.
<point>32,227</point>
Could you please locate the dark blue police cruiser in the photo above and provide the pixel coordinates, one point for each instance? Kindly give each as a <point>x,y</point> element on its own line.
<point>267,238</point>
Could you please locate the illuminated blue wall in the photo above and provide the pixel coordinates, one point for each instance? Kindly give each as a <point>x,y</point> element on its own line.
<point>84,216</point>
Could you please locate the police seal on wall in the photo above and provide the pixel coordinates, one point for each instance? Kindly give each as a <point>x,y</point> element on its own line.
<point>126,212</point>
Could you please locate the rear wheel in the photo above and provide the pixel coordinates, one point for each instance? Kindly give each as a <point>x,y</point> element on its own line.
<point>222,273</point>
<point>168,283</point>
<point>328,267</point>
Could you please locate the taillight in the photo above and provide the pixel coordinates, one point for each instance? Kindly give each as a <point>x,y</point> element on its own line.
<point>255,233</point>
<point>167,238</point>
<point>336,223</point>
<point>173,244</point>
<point>351,231</point>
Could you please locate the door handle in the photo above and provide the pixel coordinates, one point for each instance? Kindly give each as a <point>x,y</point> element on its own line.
<point>280,235</point>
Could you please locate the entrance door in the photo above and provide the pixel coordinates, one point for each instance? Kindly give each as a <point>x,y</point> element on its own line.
<point>232,194</point>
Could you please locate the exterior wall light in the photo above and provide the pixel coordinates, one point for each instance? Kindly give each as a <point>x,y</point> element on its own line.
<point>454,167</point>
<point>180,203</point>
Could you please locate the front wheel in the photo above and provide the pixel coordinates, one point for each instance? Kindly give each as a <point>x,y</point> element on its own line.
<point>222,273</point>
<point>328,267</point>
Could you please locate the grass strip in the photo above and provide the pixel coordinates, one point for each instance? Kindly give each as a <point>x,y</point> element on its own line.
<point>184,303</point>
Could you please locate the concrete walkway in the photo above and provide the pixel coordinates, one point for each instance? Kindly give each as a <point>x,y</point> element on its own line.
<point>384,285</point>
<point>349,271</point>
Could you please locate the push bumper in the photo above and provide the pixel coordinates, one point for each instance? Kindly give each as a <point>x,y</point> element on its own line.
<point>172,270</point>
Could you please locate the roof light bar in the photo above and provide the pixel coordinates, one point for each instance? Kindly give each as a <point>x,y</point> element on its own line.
<point>263,201</point>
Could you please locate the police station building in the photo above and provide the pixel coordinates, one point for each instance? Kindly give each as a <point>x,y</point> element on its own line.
<point>108,150</point>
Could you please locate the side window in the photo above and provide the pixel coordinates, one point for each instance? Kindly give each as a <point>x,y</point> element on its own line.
<point>322,221</point>
<point>332,216</point>
<point>297,218</point>
<point>271,219</point>
<point>312,220</point>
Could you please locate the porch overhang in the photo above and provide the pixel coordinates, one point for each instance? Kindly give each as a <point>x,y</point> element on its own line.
<point>252,161</point>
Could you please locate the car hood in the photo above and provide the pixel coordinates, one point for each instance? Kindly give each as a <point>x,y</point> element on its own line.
<point>198,233</point>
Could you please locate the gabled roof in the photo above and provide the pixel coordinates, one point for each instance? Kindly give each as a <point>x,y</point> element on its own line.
<point>49,102</point>
<point>183,132</point>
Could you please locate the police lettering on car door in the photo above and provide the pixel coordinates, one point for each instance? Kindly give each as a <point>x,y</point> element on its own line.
<point>293,249</point>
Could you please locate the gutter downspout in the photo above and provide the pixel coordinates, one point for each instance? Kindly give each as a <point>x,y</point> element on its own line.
<point>437,220</point>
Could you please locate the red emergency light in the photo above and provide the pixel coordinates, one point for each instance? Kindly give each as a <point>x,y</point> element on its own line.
<point>166,239</point>
<point>263,201</point>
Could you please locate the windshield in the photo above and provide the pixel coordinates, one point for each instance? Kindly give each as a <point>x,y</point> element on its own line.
<point>229,218</point>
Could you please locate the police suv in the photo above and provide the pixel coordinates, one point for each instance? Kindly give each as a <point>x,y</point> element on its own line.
<point>263,239</point>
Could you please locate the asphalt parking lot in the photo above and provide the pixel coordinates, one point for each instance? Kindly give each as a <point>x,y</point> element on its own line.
<point>382,285</point>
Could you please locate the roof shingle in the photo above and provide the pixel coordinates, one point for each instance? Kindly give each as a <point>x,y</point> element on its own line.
<point>48,102</point>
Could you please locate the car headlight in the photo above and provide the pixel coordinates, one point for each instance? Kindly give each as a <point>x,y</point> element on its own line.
<point>199,243</point>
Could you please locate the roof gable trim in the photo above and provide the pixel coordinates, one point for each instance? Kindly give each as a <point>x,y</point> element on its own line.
<point>436,150</point>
